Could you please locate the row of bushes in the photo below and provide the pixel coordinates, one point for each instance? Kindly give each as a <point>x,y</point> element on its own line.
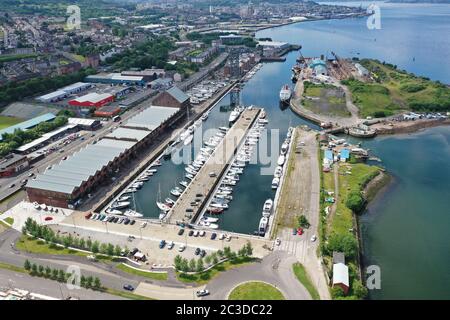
<point>44,232</point>
<point>183,265</point>
<point>61,276</point>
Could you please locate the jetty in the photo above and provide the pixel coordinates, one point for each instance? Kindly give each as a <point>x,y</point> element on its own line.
<point>204,182</point>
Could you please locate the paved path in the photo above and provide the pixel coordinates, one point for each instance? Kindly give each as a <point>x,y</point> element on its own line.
<point>275,269</point>
<point>167,293</point>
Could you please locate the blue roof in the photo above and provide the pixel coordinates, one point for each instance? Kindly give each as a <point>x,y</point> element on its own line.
<point>28,124</point>
<point>345,154</point>
<point>329,155</point>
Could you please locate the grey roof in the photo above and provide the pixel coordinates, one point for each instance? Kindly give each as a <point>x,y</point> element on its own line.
<point>179,95</point>
<point>151,118</point>
<point>68,175</point>
<point>128,134</point>
<point>338,257</point>
<point>115,143</point>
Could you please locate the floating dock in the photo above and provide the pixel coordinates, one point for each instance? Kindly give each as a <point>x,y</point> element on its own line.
<point>203,184</point>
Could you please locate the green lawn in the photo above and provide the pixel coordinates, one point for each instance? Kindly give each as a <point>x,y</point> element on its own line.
<point>204,277</point>
<point>9,220</point>
<point>303,277</point>
<point>255,291</point>
<point>12,268</point>
<point>29,244</point>
<point>6,122</point>
<point>150,275</point>
<point>125,294</point>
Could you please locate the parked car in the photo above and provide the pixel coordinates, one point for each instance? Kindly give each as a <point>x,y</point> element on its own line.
<point>128,287</point>
<point>191,232</point>
<point>181,248</point>
<point>180,232</point>
<point>299,231</point>
<point>213,235</point>
<point>127,221</point>
<point>197,251</point>
<point>202,233</point>
<point>170,245</point>
<point>202,253</point>
<point>294,232</point>
<point>48,218</point>
<point>221,236</point>
<point>313,238</point>
<point>162,244</point>
<point>278,241</point>
<point>202,293</point>
<point>132,222</point>
<point>195,233</point>
<point>228,238</point>
<point>88,216</point>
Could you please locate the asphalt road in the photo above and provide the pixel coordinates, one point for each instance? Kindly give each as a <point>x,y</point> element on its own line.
<point>276,269</point>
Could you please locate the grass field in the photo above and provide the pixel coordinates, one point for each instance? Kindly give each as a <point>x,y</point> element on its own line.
<point>6,122</point>
<point>396,90</point>
<point>204,277</point>
<point>255,291</point>
<point>29,244</point>
<point>150,275</point>
<point>303,277</point>
<point>325,99</point>
<point>9,220</point>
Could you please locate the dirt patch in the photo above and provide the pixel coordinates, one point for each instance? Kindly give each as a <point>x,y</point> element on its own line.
<point>326,100</point>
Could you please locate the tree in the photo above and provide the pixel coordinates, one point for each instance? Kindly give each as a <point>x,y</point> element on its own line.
<point>48,272</point>
<point>61,275</point>
<point>355,201</point>
<point>104,248</point>
<point>200,265</point>
<point>97,283</point>
<point>110,249</point>
<point>359,290</point>
<point>345,243</point>
<point>27,265</point>
<point>34,269</point>
<point>214,258</point>
<point>208,260</point>
<point>89,281</point>
<point>117,250</point>
<point>192,265</point>
<point>40,269</point>
<point>89,244</point>
<point>227,252</point>
<point>54,274</point>
<point>95,247</point>
<point>303,222</point>
<point>83,281</point>
<point>82,243</point>
<point>177,262</point>
<point>337,292</point>
<point>220,253</point>
<point>249,249</point>
<point>184,265</point>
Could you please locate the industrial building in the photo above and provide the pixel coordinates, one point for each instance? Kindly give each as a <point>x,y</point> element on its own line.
<point>12,164</point>
<point>63,93</point>
<point>26,125</point>
<point>71,180</point>
<point>172,97</point>
<point>92,99</point>
<point>319,67</point>
<point>116,78</point>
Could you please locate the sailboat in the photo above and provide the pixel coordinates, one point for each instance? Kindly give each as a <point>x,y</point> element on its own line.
<point>162,206</point>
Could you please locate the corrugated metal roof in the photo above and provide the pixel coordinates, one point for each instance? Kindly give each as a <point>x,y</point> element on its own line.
<point>178,94</point>
<point>152,117</point>
<point>329,155</point>
<point>114,143</point>
<point>128,134</point>
<point>345,153</point>
<point>28,124</point>
<point>70,174</point>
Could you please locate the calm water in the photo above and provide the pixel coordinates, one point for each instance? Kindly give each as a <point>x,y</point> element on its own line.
<point>405,230</point>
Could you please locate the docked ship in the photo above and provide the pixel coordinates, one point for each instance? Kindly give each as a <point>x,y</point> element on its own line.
<point>285,94</point>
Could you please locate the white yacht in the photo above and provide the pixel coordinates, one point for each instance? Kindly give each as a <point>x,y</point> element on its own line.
<point>275,183</point>
<point>132,213</point>
<point>267,208</point>
<point>263,225</point>
<point>162,206</point>
<point>285,94</point>
<point>281,160</point>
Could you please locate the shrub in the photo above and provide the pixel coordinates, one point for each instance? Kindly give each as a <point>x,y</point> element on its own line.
<point>345,243</point>
<point>355,201</point>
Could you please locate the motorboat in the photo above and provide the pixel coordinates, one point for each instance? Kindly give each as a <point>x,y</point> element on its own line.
<point>278,172</point>
<point>113,211</point>
<point>123,198</point>
<point>209,219</point>
<point>219,205</point>
<point>133,214</point>
<point>152,170</point>
<point>267,208</point>
<point>184,183</point>
<point>170,202</point>
<point>157,163</point>
<point>188,139</point>
<point>163,206</point>
<point>275,183</point>
<point>189,176</point>
<point>175,192</point>
<point>224,129</point>
<point>214,210</point>
<point>263,223</point>
<point>190,171</point>
<point>120,205</point>
<point>281,160</point>
<point>284,148</point>
<point>162,215</point>
<point>208,225</point>
<point>234,115</point>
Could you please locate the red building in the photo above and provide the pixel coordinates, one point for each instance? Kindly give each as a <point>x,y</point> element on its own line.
<point>92,100</point>
<point>12,164</point>
<point>107,111</point>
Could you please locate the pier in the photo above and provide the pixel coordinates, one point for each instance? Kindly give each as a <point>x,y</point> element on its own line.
<point>203,183</point>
